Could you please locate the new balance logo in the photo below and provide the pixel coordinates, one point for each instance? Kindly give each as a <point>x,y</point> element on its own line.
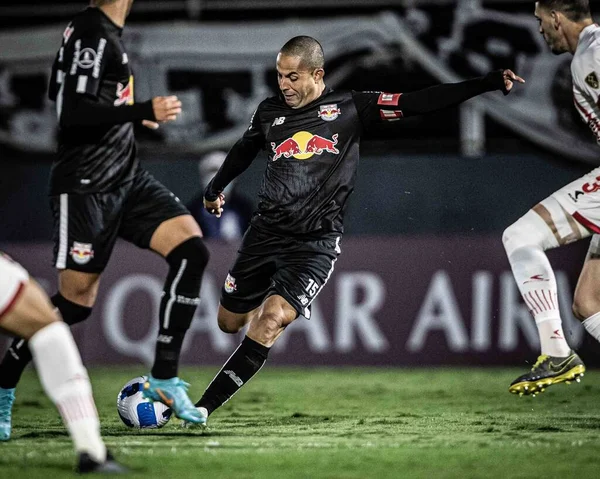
<point>303,299</point>
<point>163,338</point>
<point>234,377</point>
<point>278,121</point>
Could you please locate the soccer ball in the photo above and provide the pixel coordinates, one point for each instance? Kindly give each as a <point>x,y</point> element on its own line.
<point>137,411</point>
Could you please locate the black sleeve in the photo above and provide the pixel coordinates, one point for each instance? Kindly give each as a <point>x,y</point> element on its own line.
<point>78,110</point>
<point>87,54</point>
<point>375,106</point>
<point>238,159</point>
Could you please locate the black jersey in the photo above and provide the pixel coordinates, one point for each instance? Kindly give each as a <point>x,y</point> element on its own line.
<point>92,66</point>
<point>313,155</point>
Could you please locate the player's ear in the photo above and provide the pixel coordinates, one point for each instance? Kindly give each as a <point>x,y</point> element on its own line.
<point>318,74</point>
<point>556,19</point>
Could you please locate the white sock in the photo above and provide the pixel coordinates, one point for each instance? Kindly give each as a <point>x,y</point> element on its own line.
<point>592,326</point>
<point>537,284</point>
<point>66,383</point>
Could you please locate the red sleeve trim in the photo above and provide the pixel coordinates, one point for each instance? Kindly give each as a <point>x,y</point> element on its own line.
<point>391,115</point>
<point>389,99</point>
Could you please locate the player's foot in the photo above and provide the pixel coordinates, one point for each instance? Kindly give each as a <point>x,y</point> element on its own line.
<point>173,393</point>
<point>546,371</point>
<point>87,465</point>
<point>7,398</point>
<point>203,413</point>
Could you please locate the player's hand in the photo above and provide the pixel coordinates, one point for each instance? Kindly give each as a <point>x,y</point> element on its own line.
<point>510,78</point>
<point>215,207</point>
<point>166,108</point>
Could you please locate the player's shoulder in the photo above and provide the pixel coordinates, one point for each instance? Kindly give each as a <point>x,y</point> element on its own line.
<point>89,23</point>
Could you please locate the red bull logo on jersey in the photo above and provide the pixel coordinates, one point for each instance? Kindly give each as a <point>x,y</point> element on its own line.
<point>303,145</point>
<point>329,112</point>
<point>125,93</point>
<point>81,253</point>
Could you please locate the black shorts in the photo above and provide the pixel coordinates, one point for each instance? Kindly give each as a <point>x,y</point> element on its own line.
<point>296,269</point>
<point>86,226</point>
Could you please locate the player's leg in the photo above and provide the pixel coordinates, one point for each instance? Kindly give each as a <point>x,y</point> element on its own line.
<point>83,240</point>
<point>155,219</point>
<point>547,225</point>
<point>269,321</point>
<point>586,301</point>
<point>33,317</point>
<point>288,292</point>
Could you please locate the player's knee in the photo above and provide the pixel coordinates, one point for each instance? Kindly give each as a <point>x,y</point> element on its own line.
<point>229,325</point>
<point>528,231</point>
<point>193,251</point>
<point>71,312</point>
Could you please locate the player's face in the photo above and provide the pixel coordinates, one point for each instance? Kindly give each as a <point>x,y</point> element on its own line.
<point>298,85</point>
<point>551,30</point>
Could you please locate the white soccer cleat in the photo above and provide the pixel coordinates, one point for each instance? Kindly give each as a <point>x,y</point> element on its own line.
<point>203,424</point>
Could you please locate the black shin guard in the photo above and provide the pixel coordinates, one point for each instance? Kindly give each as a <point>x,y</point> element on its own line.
<point>244,363</point>
<point>181,295</point>
<point>18,355</point>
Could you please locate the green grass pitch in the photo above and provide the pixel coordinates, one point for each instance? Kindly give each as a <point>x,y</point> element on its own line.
<point>335,423</point>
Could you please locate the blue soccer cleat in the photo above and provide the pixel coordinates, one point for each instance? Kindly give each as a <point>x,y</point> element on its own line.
<point>173,393</point>
<point>7,398</point>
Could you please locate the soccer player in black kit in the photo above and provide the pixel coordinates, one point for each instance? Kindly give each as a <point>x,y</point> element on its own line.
<point>312,135</point>
<point>99,192</point>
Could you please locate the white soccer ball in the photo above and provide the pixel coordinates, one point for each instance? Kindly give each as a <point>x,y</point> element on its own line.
<point>137,411</point>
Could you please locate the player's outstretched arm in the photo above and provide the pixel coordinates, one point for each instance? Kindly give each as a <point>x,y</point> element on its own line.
<point>446,95</point>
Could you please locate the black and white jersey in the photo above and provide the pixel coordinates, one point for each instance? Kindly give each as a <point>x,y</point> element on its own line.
<point>91,65</point>
<point>313,156</point>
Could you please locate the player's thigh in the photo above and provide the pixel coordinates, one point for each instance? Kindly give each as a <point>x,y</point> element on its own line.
<point>173,232</point>
<point>79,287</point>
<point>302,273</point>
<point>85,229</point>
<point>149,209</point>
<point>586,300</point>
<point>24,306</point>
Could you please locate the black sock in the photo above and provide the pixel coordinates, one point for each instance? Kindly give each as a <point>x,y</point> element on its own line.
<point>18,355</point>
<point>181,295</point>
<point>244,363</point>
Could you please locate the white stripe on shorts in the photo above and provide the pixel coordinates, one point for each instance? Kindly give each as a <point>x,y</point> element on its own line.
<point>63,232</point>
